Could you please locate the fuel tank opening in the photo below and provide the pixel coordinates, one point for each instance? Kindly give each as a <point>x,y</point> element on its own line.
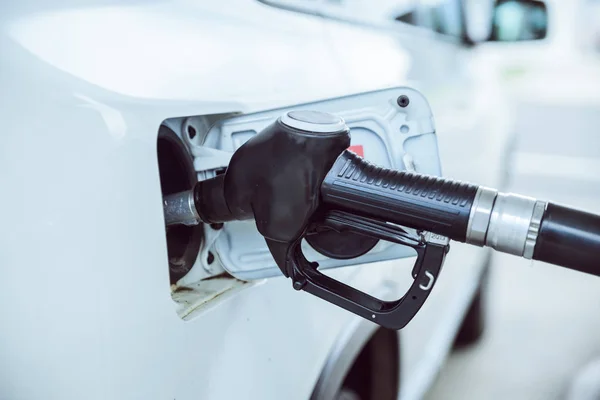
<point>177,174</point>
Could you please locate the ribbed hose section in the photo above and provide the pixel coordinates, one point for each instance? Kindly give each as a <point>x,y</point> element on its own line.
<point>409,199</point>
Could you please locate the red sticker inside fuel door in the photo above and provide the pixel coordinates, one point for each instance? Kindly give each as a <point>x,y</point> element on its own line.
<point>357,149</point>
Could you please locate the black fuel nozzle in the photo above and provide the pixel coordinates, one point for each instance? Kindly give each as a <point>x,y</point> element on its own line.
<point>277,178</point>
<point>297,180</point>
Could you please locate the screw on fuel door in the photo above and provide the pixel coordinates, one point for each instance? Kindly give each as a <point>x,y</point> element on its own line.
<point>403,101</point>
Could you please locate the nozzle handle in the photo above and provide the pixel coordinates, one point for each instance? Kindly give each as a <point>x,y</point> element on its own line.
<point>418,201</point>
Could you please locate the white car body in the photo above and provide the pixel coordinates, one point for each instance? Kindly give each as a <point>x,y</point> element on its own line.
<point>85,301</point>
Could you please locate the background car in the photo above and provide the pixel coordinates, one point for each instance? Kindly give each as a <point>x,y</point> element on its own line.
<point>91,304</point>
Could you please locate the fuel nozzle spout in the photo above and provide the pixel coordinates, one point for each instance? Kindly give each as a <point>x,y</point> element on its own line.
<point>180,209</point>
<point>204,203</point>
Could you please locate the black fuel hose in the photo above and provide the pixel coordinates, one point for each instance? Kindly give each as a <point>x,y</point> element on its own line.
<point>569,238</point>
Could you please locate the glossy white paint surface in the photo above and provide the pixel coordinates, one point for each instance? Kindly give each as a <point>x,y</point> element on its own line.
<point>84,291</point>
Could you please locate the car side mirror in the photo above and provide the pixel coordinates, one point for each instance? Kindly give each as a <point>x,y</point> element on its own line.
<point>519,20</point>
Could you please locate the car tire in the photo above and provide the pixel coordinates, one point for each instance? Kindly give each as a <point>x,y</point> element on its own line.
<point>375,372</point>
<point>473,324</point>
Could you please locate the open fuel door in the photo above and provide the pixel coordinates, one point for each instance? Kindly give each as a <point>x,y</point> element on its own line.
<point>393,128</point>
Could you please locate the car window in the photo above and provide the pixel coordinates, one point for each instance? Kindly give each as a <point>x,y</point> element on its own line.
<point>514,22</point>
<point>441,16</point>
